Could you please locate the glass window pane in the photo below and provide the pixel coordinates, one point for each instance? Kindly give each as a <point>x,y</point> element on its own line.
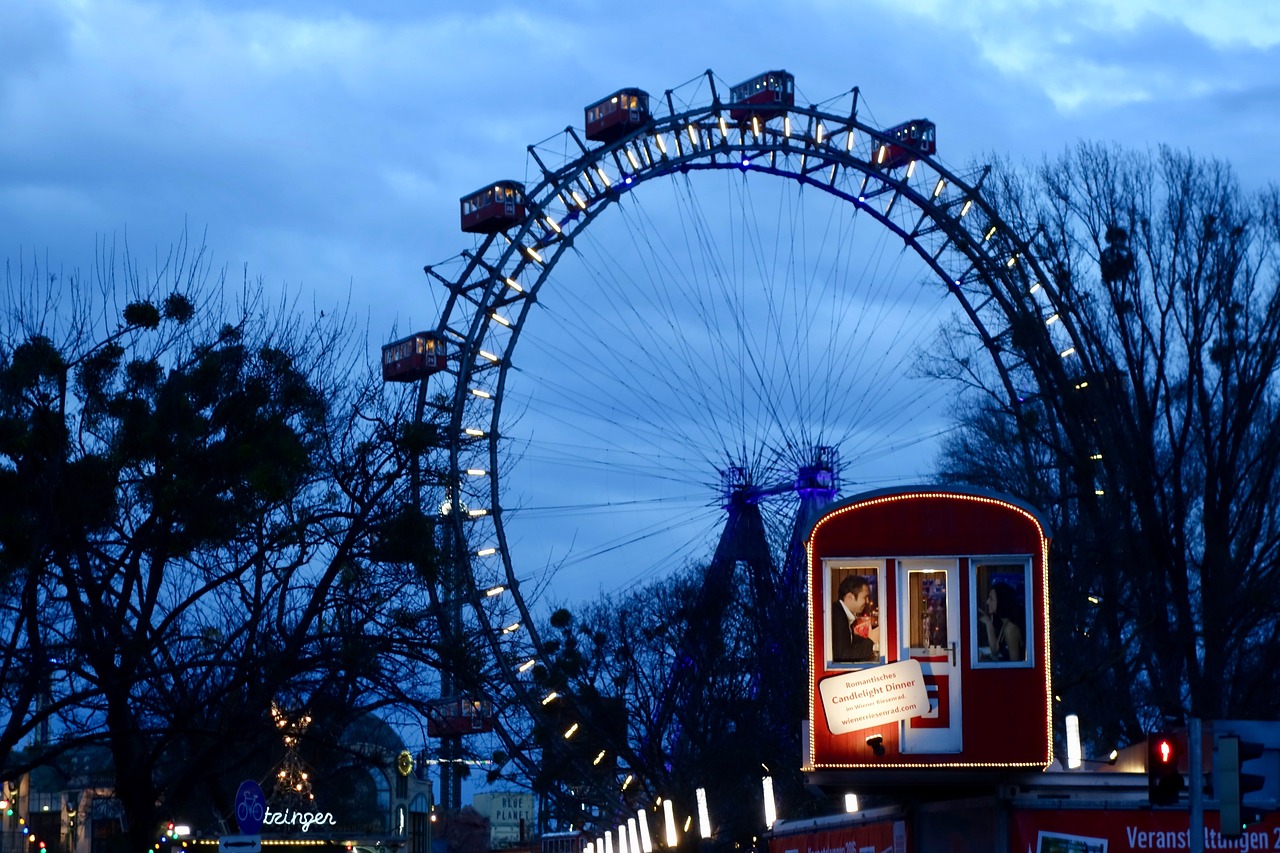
<point>854,606</point>
<point>1001,589</point>
<point>928,591</point>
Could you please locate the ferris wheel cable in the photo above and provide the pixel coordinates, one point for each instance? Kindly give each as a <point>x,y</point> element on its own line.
<point>652,469</point>
<point>674,557</point>
<point>630,505</point>
<point>622,296</point>
<point>780,229</point>
<point>641,535</point>
<point>752,383</point>
<point>686,410</point>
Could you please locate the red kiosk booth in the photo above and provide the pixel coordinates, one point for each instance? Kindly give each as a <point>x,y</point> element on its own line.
<point>944,594</point>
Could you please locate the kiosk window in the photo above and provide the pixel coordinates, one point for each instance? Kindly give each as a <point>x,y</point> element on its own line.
<point>853,612</point>
<point>928,597</point>
<point>1000,624</point>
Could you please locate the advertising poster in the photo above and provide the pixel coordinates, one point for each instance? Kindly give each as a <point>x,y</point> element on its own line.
<point>1096,831</point>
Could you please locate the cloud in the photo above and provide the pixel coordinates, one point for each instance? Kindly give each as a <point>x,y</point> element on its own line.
<point>1101,53</point>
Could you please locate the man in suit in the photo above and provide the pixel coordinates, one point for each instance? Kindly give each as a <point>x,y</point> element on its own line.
<point>851,599</point>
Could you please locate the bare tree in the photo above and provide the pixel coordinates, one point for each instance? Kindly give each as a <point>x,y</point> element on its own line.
<point>193,483</point>
<point>1160,457</point>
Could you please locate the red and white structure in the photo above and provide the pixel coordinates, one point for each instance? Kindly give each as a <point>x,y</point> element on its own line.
<point>935,687</point>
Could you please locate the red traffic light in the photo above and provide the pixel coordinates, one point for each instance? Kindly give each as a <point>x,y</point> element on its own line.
<point>1164,780</point>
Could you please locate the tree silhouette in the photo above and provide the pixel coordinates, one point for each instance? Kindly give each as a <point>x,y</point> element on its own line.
<point>1160,460</point>
<point>190,492</point>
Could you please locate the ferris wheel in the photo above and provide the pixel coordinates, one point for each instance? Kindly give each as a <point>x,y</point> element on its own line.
<point>724,298</point>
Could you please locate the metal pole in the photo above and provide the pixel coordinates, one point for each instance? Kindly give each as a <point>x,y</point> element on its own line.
<point>1195,779</point>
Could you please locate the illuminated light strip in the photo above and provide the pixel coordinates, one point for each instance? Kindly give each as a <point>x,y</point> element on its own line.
<point>937,190</point>
<point>526,666</point>
<point>488,356</point>
<point>555,226</point>
<point>1044,638</point>
<point>515,285</point>
<point>482,394</point>
<point>573,729</point>
<point>848,140</point>
<point>1069,351</point>
<point>755,125</point>
<point>724,128</point>
<point>834,166</point>
<point>499,318</point>
<point>817,136</point>
<point>1053,318</point>
<point>472,431</point>
<point>669,823</point>
<point>577,199</point>
<point>477,513</point>
<point>1013,259</point>
<point>884,149</point>
<point>599,757</point>
<point>911,167</point>
<point>1036,288</point>
<point>786,126</point>
<point>990,234</point>
<point>512,628</point>
<point>704,817</point>
<point>662,146</point>
<point>487,552</point>
<point>693,136</point>
<point>965,209</point>
<point>631,158</point>
<point>477,472</point>
<point>646,840</point>
<point>603,176</point>
<point>528,250</point>
<point>550,697</point>
<point>494,590</point>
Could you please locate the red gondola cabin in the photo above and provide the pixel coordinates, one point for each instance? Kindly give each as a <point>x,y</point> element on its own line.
<point>765,96</point>
<point>928,634</point>
<point>495,208</point>
<point>459,716</point>
<point>617,115</point>
<point>911,141</point>
<point>413,358</point>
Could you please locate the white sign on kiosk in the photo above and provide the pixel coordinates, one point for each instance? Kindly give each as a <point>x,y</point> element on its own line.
<point>874,696</point>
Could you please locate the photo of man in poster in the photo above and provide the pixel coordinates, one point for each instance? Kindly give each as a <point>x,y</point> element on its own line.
<point>853,596</point>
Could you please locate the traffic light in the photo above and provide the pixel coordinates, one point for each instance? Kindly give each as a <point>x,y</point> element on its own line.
<point>1231,785</point>
<point>1164,780</point>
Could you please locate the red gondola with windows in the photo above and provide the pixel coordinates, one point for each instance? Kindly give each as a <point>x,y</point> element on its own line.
<point>413,358</point>
<point>928,634</point>
<point>461,715</point>
<point>495,208</point>
<point>617,115</point>
<point>764,96</point>
<point>911,140</point>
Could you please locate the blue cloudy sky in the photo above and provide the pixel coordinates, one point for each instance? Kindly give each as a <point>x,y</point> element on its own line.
<point>325,144</point>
